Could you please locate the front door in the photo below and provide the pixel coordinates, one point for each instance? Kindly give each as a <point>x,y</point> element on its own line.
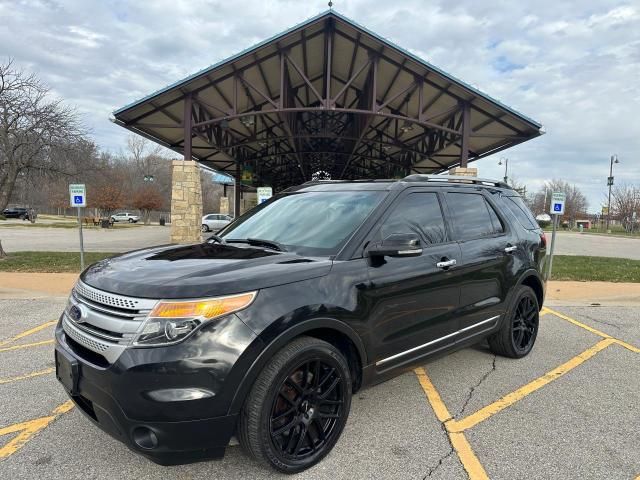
<point>414,300</point>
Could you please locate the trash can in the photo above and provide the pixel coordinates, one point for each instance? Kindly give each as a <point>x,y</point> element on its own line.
<point>162,221</point>
<point>581,228</point>
<point>104,223</point>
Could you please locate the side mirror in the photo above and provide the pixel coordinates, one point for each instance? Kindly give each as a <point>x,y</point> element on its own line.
<point>397,245</point>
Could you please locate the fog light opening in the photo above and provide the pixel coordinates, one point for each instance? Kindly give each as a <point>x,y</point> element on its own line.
<point>145,438</point>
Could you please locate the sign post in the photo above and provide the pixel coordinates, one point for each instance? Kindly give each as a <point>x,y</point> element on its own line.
<point>556,209</point>
<point>78,199</point>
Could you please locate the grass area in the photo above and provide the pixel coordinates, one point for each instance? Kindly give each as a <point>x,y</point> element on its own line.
<point>565,267</point>
<point>49,261</point>
<point>602,269</point>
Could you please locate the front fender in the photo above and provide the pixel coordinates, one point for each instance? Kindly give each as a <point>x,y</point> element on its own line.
<point>275,339</point>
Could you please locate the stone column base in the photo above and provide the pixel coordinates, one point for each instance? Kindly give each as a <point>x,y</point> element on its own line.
<point>186,202</point>
<point>464,172</point>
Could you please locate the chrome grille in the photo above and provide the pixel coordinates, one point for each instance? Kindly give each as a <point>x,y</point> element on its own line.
<point>106,298</point>
<point>109,322</point>
<point>83,339</point>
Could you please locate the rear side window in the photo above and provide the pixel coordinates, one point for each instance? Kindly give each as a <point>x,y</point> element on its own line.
<point>521,212</point>
<point>417,213</point>
<point>473,216</point>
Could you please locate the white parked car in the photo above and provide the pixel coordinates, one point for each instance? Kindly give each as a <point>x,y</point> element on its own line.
<point>125,217</point>
<point>215,221</point>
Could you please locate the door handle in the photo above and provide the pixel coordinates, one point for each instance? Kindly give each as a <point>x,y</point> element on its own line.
<point>510,249</point>
<point>446,263</point>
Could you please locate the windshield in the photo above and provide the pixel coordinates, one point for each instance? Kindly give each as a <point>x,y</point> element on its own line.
<point>308,223</point>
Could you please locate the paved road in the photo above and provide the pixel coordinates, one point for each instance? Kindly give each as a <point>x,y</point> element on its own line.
<point>122,239</point>
<point>569,243</point>
<point>117,239</point>
<point>582,424</point>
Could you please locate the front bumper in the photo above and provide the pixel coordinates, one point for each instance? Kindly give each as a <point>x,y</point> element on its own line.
<point>115,397</point>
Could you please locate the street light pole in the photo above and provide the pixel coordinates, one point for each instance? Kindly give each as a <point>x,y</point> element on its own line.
<point>506,167</point>
<point>614,159</point>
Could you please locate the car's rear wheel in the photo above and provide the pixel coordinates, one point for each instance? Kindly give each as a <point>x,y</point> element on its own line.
<point>131,220</point>
<point>519,330</point>
<point>205,228</point>
<point>298,406</point>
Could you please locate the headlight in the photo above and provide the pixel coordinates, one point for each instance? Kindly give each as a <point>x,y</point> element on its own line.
<point>173,320</point>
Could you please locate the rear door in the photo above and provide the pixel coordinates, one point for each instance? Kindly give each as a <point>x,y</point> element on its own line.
<point>488,246</point>
<point>413,302</point>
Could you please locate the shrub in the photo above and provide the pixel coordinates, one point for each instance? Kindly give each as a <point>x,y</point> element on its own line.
<point>543,223</point>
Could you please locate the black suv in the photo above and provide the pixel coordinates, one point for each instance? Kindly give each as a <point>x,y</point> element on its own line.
<point>266,330</point>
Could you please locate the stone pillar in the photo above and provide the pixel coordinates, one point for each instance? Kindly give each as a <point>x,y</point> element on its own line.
<point>464,172</point>
<point>186,202</point>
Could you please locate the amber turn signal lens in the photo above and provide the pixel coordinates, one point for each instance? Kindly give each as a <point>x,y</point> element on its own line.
<point>209,308</point>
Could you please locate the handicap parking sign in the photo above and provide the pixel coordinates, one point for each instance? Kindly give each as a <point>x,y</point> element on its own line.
<point>558,200</point>
<point>77,195</point>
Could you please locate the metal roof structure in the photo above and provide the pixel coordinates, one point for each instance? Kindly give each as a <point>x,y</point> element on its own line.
<point>326,95</point>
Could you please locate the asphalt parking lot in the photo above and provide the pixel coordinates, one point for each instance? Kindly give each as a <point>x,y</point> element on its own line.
<point>569,410</point>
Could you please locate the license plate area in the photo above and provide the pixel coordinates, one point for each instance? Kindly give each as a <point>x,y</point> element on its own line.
<point>67,371</point>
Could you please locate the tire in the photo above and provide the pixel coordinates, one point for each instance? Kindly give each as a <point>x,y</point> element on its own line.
<point>205,228</point>
<point>283,404</point>
<point>113,220</point>
<point>519,329</point>
<point>131,220</point>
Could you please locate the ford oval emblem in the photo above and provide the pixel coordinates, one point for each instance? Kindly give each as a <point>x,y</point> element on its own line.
<point>77,314</point>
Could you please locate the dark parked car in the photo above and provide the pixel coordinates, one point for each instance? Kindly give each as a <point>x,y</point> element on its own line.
<point>267,329</point>
<point>16,212</point>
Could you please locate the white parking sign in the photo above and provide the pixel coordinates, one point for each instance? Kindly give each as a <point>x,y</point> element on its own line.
<point>77,195</point>
<point>264,194</point>
<point>557,203</point>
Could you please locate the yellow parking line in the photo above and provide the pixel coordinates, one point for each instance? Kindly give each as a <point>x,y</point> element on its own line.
<point>26,376</point>
<point>31,331</point>
<point>513,397</point>
<point>463,449</point>
<point>593,330</point>
<point>26,345</point>
<point>29,429</point>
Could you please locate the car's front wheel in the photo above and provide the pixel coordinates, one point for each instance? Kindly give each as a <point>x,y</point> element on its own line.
<point>205,228</point>
<point>519,329</point>
<point>298,406</point>
<point>131,220</point>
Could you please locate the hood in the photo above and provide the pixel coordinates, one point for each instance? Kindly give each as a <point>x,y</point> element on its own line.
<point>202,270</point>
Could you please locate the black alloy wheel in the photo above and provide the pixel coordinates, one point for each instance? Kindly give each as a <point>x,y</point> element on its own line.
<point>298,406</point>
<point>519,327</point>
<point>307,409</point>
<point>525,324</point>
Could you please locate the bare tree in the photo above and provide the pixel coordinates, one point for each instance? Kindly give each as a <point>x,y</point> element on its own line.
<point>32,127</point>
<point>146,200</point>
<point>575,204</point>
<point>625,202</point>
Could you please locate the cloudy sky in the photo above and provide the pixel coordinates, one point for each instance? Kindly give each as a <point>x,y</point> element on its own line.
<point>573,66</point>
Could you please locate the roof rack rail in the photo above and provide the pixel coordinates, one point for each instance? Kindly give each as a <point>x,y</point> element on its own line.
<point>455,179</point>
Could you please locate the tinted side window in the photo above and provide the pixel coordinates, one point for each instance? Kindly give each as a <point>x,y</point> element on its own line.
<point>418,213</point>
<point>471,215</point>
<point>495,220</point>
<point>521,212</point>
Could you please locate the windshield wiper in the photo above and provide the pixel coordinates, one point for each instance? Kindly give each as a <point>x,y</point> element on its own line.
<point>259,242</point>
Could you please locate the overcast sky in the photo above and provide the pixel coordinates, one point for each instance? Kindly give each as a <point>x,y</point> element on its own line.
<point>573,66</point>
